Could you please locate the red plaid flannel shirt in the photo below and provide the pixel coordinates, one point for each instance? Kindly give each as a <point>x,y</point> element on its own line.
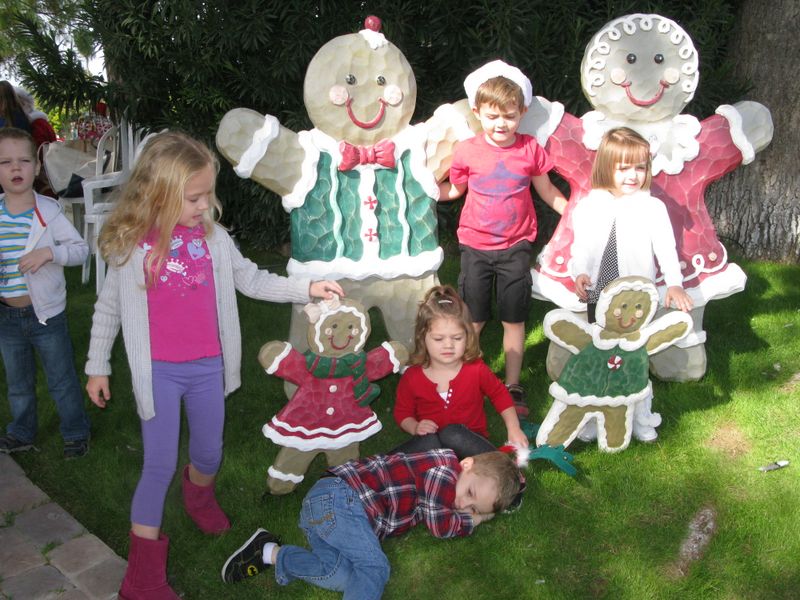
<point>401,490</point>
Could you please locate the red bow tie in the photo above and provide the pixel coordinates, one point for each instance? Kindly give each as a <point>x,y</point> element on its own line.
<point>381,153</point>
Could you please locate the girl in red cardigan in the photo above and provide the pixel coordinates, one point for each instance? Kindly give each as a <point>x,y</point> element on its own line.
<point>440,396</point>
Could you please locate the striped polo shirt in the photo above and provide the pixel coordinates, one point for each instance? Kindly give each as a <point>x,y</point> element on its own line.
<point>14,231</point>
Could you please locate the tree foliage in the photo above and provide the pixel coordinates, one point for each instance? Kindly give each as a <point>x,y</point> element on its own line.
<point>184,63</point>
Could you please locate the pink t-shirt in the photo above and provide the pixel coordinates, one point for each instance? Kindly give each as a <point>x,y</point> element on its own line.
<point>498,211</point>
<point>182,304</point>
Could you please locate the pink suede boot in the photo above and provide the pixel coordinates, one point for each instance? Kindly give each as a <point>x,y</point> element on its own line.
<point>146,575</point>
<point>202,507</point>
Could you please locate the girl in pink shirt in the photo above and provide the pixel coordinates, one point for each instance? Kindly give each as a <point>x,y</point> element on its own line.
<point>171,287</point>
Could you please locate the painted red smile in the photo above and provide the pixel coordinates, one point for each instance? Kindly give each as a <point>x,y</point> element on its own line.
<point>628,325</point>
<point>368,124</point>
<point>335,347</point>
<point>662,85</point>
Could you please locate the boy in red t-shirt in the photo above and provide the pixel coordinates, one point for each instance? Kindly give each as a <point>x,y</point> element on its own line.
<point>498,221</point>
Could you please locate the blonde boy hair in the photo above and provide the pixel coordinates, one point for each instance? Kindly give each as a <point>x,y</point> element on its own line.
<point>13,133</point>
<point>500,92</point>
<point>442,302</point>
<point>620,146</point>
<point>151,202</point>
<point>501,468</point>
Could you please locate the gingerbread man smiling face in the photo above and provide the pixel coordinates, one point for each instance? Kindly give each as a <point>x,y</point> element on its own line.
<point>360,87</point>
<point>642,69</point>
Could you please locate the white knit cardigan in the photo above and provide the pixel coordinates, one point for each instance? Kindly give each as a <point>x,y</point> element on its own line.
<point>123,301</point>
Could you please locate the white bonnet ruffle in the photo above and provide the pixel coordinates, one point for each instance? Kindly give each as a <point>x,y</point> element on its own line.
<point>497,68</point>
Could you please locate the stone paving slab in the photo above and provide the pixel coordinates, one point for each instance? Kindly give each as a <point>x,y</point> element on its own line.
<point>17,553</point>
<point>45,554</point>
<point>48,524</point>
<point>40,583</point>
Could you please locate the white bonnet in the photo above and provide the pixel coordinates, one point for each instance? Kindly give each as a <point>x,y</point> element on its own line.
<point>497,68</point>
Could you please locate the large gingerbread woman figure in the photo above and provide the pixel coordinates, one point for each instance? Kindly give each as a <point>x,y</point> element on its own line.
<point>640,71</point>
<point>361,186</point>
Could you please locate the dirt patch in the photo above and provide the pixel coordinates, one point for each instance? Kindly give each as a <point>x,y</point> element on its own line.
<point>730,440</point>
<point>792,385</point>
<point>701,529</point>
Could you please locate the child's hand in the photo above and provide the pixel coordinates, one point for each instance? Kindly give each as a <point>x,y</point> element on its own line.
<point>35,259</point>
<point>518,437</point>
<point>478,518</point>
<point>678,297</point>
<point>582,282</point>
<point>98,390</point>
<point>425,427</point>
<point>325,289</point>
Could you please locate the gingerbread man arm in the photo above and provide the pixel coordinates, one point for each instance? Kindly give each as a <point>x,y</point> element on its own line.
<point>567,330</point>
<point>666,330</point>
<point>261,149</point>
<point>449,125</point>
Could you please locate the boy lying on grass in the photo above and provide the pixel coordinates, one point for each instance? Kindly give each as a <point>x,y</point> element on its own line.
<point>354,506</point>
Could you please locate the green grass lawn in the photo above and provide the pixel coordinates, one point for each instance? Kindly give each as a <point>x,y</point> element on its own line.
<point>614,532</point>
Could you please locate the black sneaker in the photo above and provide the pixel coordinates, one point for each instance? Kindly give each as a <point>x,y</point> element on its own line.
<point>248,560</point>
<point>9,444</point>
<point>76,449</point>
<point>518,396</point>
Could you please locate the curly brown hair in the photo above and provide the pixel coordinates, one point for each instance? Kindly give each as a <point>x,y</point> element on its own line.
<point>442,302</point>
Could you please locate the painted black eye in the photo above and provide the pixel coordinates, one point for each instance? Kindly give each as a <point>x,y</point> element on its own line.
<point>350,79</point>
<point>631,58</point>
<point>624,305</point>
<point>334,326</point>
<point>658,58</point>
<point>381,80</point>
<point>638,307</point>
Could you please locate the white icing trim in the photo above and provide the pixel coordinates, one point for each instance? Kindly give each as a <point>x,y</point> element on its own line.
<point>258,146</point>
<point>321,443</point>
<point>560,394</point>
<point>347,268</point>
<point>308,173</point>
<point>375,39</point>
<point>564,315</point>
<point>275,474</point>
<point>278,359</point>
<point>662,323</point>
<point>734,118</point>
<point>447,116</point>
<point>392,356</point>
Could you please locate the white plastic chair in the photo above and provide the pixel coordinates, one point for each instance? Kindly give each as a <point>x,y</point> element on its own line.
<point>98,199</point>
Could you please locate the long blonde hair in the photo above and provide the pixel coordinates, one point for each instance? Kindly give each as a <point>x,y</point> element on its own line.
<point>151,202</point>
<point>620,145</point>
<point>442,302</point>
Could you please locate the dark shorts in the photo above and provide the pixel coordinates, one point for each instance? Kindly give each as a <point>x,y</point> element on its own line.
<point>506,272</point>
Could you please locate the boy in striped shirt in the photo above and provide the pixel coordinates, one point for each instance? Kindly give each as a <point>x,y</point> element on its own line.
<point>36,243</point>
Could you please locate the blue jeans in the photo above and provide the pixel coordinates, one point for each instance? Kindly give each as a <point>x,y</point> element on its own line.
<point>345,555</point>
<point>21,334</point>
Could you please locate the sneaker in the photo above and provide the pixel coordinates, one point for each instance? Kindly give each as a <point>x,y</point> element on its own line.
<point>76,449</point>
<point>248,560</point>
<point>518,396</point>
<point>9,444</point>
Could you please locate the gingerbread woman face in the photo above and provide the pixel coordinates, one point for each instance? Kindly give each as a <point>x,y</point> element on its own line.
<point>360,88</point>
<point>628,312</point>
<point>641,68</point>
<point>337,327</point>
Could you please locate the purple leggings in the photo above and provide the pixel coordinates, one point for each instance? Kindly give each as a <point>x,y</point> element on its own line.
<point>199,383</point>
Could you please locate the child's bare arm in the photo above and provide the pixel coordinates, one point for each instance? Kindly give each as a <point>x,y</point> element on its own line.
<point>551,195</point>
<point>513,429</point>
<point>451,191</point>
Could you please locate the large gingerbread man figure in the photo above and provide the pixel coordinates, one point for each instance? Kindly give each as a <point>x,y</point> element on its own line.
<point>640,71</point>
<point>361,186</point>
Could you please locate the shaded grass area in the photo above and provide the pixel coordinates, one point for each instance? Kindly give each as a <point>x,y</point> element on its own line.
<point>614,532</point>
